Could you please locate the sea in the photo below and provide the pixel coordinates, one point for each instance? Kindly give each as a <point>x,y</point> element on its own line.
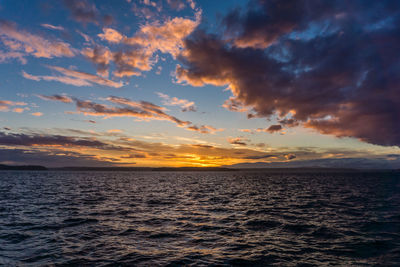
<point>232,218</point>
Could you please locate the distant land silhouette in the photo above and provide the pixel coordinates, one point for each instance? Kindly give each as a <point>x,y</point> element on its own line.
<point>247,167</point>
<point>23,168</point>
<point>330,163</point>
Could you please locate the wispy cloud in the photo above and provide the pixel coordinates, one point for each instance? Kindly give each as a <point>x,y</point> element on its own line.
<point>5,56</point>
<point>238,141</point>
<point>73,77</point>
<point>21,43</point>
<point>127,108</point>
<point>184,104</point>
<point>34,139</point>
<point>271,129</point>
<point>52,27</point>
<point>60,98</point>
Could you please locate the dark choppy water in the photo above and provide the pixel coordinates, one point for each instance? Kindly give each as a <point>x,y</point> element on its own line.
<point>196,219</point>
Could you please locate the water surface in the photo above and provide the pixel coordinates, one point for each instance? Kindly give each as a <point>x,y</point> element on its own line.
<point>199,219</point>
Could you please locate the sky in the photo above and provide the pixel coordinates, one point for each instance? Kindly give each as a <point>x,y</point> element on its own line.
<point>153,83</point>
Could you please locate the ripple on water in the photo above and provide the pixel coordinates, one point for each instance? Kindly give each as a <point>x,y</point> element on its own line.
<point>199,219</point>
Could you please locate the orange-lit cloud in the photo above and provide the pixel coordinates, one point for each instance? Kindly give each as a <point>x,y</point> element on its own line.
<point>122,149</point>
<point>19,41</point>
<point>127,108</point>
<point>114,131</point>
<point>6,105</point>
<point>138,53</point>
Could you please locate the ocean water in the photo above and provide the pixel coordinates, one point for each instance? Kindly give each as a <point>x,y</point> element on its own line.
<point>199,219</point>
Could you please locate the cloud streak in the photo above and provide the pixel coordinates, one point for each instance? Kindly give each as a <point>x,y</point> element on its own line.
<point>142,110</point>
<point>73,77</point>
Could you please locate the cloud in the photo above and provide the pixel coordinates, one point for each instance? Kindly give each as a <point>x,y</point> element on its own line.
<point>204,129</point>
<point>40,147</point>
<point>111,36</point>
<point>22,43</point>
<point>260,157</point>
<point>167,37</point>
<point>37,114</point>
<point>246,130</point>
<point>271,129</point>
<point>50,159</point>
<point>6,105</point>
<point>127,108</point>
<point>22,139</point>
<point>233,105</point>
<point>52,27</point>
<point>337,74</point>
<point>238,141</point>
<point>19,110</point>
<point>290,156</point>
<point>73,77</point>
<point>176,4</point>
<point>114,131</point>
<point>61,98</point>
<point>83,11</point>
<point>184,104</point>
<point>5,56</point>
<point>30,77</point>
<point>134,156</point>
<point>101,57</point>
<point>138,53</point>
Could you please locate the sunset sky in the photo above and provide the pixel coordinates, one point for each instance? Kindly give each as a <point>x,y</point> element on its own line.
<point>200,83</point>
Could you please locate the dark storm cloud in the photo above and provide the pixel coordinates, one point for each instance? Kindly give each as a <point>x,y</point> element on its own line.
<point>332,66</point>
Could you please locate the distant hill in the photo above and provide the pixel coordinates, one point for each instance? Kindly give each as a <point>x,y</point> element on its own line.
<point>22,168</point>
